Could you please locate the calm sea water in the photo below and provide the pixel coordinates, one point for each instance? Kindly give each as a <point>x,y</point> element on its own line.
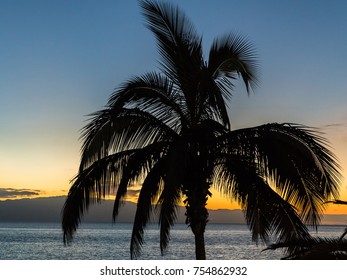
<point>98,241</point>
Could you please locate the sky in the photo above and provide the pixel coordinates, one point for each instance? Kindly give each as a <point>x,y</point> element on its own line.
<point>61,60</point>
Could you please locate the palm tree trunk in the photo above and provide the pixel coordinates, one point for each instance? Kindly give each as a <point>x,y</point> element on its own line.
<point>197,219</point>
<point>200,252</point>
<point>197,194</point>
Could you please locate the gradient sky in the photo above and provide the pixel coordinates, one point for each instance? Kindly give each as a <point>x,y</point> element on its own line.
<point>60,60</point>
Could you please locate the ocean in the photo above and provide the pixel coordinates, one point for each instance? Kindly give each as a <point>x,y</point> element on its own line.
<point>106,241</point>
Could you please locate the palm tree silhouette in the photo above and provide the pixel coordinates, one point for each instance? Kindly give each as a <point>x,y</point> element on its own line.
<point>170,131</point>
<point>316,248</point>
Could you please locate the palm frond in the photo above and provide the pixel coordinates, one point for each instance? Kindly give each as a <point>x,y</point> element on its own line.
<point>180,48</point>
<point>148,194</point>
<point>266,207</point>
<point>304,171</point>
<point>175,176</point>
<point>265,211</point>
<point>314,249</point>
<point>217,104</point>
<point>337,201</point>
<point>129,129</point>
<point>168,203</point>
<point>179,45</point>
<point>137,167</point>
<point>311,164</point>
<point>343,234</point>
<point>154,93</point>
<point>230,56</point>
<point>90,186</point>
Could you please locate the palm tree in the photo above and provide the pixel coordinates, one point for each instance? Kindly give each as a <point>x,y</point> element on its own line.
<point>170,132</point>
<point>316,248</point>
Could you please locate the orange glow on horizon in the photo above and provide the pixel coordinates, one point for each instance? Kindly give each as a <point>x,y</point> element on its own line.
<point>217,201</point>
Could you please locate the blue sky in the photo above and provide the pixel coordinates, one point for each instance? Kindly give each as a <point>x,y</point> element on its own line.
<point>60,60</point>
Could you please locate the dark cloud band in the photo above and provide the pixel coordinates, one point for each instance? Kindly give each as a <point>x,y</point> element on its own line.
<point>12,193</point>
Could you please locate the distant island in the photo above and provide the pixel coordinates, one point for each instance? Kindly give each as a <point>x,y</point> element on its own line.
<point>48,209</point>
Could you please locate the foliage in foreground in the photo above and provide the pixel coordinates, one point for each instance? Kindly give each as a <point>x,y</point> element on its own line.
<point>316,248</point>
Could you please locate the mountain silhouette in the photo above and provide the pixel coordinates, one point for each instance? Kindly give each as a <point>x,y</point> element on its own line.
<point>48,209</point>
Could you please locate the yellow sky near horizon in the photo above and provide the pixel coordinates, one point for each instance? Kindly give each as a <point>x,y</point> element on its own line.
<point>41,179</point>
<point>42,174</point>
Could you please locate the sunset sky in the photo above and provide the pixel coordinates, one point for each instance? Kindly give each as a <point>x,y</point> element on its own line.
<point>61,60</point>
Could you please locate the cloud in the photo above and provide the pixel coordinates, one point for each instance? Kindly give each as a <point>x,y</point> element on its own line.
<point>13,193</point>
<point>334,125</point>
